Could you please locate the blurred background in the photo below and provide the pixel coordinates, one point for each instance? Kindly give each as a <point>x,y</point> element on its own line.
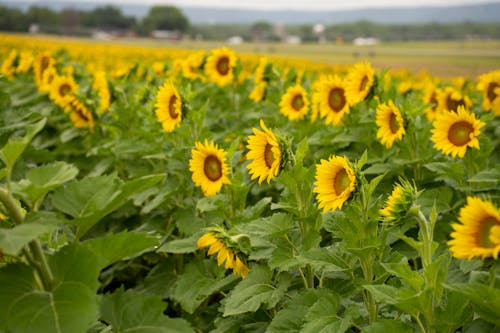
<point>441,36</point>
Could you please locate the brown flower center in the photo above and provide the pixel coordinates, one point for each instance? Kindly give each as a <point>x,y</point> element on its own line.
<point>64,89</point>
<point>297,102</point>
<point>491,91</point>
<point>453,104</point>
<point>459,133</point>
<point>171,107</point>
<point>223,65</point>
<point>363,83</point>
<point>393,123</point>
<point>268,155</point>
<point>212,168</point>
<point>488,229</point>
<point>433,100</point>
<point>341,182</point>
<point>336,99</point>
<point>44,64</point>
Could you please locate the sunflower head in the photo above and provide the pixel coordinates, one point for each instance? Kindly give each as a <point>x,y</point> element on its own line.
<point>333,98</point>
<point>226,248</point>
<point>398,204</point>
<point>209,168</point>
<point>219,66</point>
<point>168,107</point>
<point>453,132</point>
<point>489,85</point>
<point>389,120</point>
<point>192,66</point>
<point>451,99</point>
<point>360,81</point>
<point>478,233</point>
<point>62,90</point>
<point>80,114</point>
<point>266,154</point>
<point>335,182</point>
<point>294,103</point>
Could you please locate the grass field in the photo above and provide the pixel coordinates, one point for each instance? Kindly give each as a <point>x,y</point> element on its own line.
<point>446,59</point>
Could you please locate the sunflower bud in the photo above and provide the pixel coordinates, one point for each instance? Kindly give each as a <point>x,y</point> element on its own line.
<point>400,203</point>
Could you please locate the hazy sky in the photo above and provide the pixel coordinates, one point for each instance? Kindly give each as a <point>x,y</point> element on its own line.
<point>296,4</point>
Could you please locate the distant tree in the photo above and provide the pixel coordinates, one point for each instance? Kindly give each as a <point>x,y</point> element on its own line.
<point>261,30</point>
<point>12,19</point>
<point>108,17</point>
<point>165,18</point>
<point>43,16</point>
<point>71,21</point>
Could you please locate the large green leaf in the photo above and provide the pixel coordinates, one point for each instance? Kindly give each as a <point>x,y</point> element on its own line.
<point>322,315</point>
<point>197,283</point>
<point>114,247</point>
<point>388,325</point>
<point>186,245</point>
<point>486,299</point>
<point>45,178</point>
<point>12,240</point>
<point>255,290</point>
<point>16,146</point>
<point>90,199</point>
<point>133,312</point>
<point>71,305</point>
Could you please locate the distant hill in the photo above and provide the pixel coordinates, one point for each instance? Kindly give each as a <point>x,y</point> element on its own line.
<point>202,15</point>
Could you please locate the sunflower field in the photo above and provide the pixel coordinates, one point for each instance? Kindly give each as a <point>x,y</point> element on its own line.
<point>163,190</point>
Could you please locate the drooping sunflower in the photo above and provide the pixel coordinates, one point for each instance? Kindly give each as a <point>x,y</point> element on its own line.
<point>258,92</point>
<point>333,98</point>
<point>390,123</point>
<point>451,98</point>
<point>335,182</point>
<point>79,114</point>
<point>478,233</point>
<point>62,89</point>
<point>226,254</point>
<point>294,103</point>
<point>168,107</point>
<point>101,85</point>
<point>209,168</point>
<point>265,152</point>
<point>453,132</point>
<point>359,81</point>
<point>219,66</point>
<point>489,85</point>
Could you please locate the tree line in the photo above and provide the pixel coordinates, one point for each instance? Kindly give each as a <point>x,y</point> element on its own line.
<point>110,18</point>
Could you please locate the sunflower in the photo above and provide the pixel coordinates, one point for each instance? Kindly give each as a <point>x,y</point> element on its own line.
<point>192,66</point>
<point>260,80</point>
<point>62,89</point>
<point>225,253</point>
<point>168,107</point>
<point>453,132</point>
<point>79,114</point>
<point>335,181</point>
<point>450,99</point>
<point>219,66</point>
<point>265,153</point>
<point>101,85</point>
<point>209,168</point>
<point>48,76</point>
<point>10,64</point>
<point>489,85</point>
<point>478,233</point>
<point>430,96</point>
<point>294,103</point>
<point>26,60</point>
<point>390,124</point>
<point>399,202</point>
<point>258,92</point>
<point>42,62</point>
<point>333,99</point>
<point>360,81</point>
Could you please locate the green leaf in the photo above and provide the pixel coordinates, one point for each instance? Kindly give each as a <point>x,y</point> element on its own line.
<point>13,240</point>
<point>114,247</point>
<point>322,315</point>
<point>290,318</point>
<point>486,300</point>
<point>362,160</point>
<point>255,290</point>
<point>90,199</point>
<point>388,325</point>
<point>131,311</point>
<point>454,312</point>
<point>71,306</point>
<point>186,245</point>
<point>322,259</point>
<point>274,226</point>
<point>302,149</point>
<point>43,179</point>
<point>404,272</point>
<point>197,283</point>
<point>16,146</point>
